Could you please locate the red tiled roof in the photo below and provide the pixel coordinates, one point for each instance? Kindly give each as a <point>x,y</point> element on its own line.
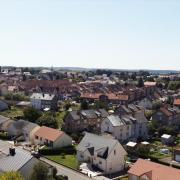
<point>45,83</point>
<point>90,95</point>
<point>177,102</point>
<point>111,96</point>
<point>155,170</point>
<point>122,97</point>
<point>48,133</point>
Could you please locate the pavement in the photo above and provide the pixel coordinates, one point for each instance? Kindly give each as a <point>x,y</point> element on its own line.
<point>72,175</point>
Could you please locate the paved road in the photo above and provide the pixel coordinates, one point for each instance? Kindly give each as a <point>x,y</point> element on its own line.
<point>73,175</point>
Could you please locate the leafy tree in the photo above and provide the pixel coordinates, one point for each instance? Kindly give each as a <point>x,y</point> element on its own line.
<point>170,100</point>
<point>168,130</point>
<point>67,106</point>
<point>143,150</point>
<point>140,82</point>
<point>152,127</point>
<point>174,85</point>
<point>48,119</point>
<point>101,105</point>
<point>156,105</point>
<point>31,114</point>
<point>148,114</point>
<point>84,105</point>
<point>40,171</point>
<point>15,97</point>
<point>12,175</point>
<point>133,76</point>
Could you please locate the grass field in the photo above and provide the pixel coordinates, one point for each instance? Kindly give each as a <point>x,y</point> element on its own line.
<point>60,117</point>
<point>66,160</point>
<point>13,112</point>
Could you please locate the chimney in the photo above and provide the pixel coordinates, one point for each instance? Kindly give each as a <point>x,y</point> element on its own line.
<point>12,151</point>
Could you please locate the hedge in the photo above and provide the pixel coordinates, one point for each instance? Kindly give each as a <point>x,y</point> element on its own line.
<point>64,150</point>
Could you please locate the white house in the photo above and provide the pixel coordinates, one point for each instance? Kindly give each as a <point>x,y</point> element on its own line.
<point>126,127</point>
<point>43,101</point>
<point>103,152</point>
<point>51,137</point>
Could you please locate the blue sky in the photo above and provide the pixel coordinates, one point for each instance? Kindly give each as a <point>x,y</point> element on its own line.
<point>125,34</point>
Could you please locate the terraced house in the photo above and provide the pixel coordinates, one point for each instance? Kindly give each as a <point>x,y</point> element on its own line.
<point>84,120</point>
<point>129,123</point>
<point>167,116</point>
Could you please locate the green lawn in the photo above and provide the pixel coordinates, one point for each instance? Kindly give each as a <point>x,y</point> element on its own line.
<point>60,117</point>
<point>67,160</point>
<point>13,112</point>
<point>158,155</point>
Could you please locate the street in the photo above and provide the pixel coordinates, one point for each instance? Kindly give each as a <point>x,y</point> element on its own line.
<point>72,175</point>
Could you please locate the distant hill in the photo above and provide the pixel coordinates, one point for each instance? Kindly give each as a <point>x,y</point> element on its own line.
<point>94,69</point>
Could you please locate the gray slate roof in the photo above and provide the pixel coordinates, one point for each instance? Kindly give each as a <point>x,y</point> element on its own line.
<point>3,106</point>
<point>98,144</point>
<point>42,96</point>
<point>3,119</point>
<point>12,163</point>
<point>21,125</point>
<point>115,120</point>
<point>88,114</point>
<point>124,120</point>
<point>30,126</point>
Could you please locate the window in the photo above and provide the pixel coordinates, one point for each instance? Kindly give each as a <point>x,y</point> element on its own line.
<point>41,139</point>
<point>100,162</point>
<point>81,156</point>
<point>114,152</point>
<point>36,137</point>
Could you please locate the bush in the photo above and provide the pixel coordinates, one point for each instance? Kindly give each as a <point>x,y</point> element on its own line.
<point>16,97</point>
<point>4,136</point>
<point>48,119</point>
<point>174,85</point>
<point>31,114</point>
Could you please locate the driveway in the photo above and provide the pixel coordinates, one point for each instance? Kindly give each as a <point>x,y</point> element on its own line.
<point>72,175</point>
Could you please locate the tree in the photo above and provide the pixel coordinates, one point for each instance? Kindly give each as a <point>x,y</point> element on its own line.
<point>101,105</point>
<point>31,114</point>
<point>12,175</point>
<point>48,119</point>
<point>148,114</point>
<point>84,105</point>
<point>174,85</point>
<point>40,171</point>
<point>67,106</point>
<point>140,82</point>
<point>16,97</point>
<point>152,127</point>
<point>156,105</point>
